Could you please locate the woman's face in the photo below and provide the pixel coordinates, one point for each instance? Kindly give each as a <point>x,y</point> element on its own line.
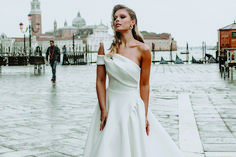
<point>122,21</point>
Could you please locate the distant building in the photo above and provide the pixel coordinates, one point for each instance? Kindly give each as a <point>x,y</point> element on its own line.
<point>162,41</point>
<point>6,43</point>
<point>91,35</point>
<point>227,36</point>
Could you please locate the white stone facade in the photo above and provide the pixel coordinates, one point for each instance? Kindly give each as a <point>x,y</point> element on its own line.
<point>100,35</point>
<point>6,44</point>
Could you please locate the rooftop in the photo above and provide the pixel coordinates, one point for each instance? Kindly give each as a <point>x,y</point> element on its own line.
<point>147,35</point>
<point>231,26</point>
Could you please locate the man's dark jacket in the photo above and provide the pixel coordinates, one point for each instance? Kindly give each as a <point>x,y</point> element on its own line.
<point>56,54</point>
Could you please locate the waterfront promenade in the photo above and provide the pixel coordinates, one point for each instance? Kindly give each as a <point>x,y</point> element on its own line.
<point>41,119</point>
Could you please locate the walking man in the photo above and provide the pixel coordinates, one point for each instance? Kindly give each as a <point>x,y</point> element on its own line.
<point>54,55</point>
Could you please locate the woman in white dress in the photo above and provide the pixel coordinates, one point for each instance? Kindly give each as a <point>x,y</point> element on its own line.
<point>122,125</point>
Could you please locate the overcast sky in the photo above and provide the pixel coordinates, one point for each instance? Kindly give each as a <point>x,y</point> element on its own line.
<point>190,21</point>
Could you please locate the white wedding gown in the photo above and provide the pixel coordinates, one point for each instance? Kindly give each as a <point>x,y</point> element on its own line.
<point>124,134</point>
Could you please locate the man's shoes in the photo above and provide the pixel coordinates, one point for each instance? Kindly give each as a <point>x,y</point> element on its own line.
<point>53,80</point>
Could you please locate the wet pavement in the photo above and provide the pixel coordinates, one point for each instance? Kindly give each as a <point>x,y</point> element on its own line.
<point>44,119</point>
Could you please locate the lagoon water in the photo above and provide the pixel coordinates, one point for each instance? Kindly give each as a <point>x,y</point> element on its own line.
<point>195,52</point>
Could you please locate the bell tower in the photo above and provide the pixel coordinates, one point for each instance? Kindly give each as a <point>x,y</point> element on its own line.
<point>36,16</point>
<point>55,27</point>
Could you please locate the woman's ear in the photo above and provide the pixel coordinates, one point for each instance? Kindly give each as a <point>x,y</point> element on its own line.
<point>133,22</point>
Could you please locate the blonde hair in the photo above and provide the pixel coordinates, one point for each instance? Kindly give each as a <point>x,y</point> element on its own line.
<point>117,36</point>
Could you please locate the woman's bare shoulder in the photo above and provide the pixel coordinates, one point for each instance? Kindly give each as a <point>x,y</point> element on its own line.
<point>143,48</point>
<point>101,50</point>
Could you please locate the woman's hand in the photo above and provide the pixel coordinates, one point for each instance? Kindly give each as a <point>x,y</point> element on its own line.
<point>103,119</point>
<point>147,127</point>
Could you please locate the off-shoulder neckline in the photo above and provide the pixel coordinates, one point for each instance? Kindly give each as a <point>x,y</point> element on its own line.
<point>129,60</point>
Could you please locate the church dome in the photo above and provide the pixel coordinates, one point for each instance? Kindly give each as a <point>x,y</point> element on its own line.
<point>78,21</point>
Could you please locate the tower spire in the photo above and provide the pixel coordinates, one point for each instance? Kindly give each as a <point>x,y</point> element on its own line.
<point>65,23</point>
<point>55,26</point>
<point>35,7</point>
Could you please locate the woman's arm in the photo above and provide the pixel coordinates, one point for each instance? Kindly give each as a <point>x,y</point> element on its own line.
<point>101,89</point>
<point>144,80</point>
<point>144,77</point>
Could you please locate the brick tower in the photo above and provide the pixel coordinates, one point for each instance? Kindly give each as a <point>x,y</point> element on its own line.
<point>36,16</point>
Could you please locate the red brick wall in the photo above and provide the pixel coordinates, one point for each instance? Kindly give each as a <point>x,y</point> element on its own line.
<point>68,33</point>
<point>226,40</point>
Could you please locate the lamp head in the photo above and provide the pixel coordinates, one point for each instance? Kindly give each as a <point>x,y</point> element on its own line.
<point>29,16</point>
<point>21,25</point>
<point>38,25</point>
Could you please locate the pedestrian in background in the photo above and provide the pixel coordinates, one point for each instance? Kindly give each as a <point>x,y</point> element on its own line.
<point>38,51</point>
<point>65,58</point>
<point>54,55</point>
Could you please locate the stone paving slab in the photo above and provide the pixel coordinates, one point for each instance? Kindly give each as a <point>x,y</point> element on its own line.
<point>188,132</point>
<point>220,154</point>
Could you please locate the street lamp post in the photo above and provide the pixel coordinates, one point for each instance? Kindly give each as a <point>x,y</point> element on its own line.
<point>21,27</point>
<point>1,49</point>
<point>73,44</point>
<point>73,37</point>
<point>30,28</point>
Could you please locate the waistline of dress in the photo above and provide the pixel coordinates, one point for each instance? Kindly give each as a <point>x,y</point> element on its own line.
<point>131,90</point>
